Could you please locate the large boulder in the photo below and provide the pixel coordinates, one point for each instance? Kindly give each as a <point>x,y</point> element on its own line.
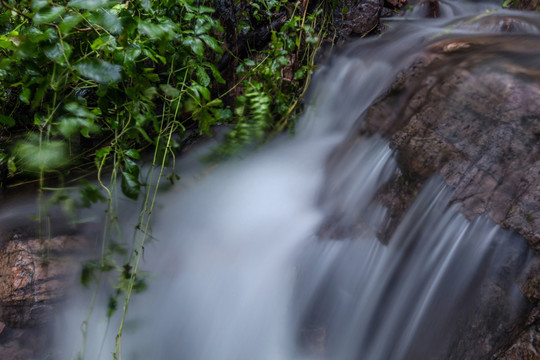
<point>468,110</point>
<point>474,119</point>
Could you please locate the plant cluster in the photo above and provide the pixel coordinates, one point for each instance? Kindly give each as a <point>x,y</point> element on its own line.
<point>106,85</point>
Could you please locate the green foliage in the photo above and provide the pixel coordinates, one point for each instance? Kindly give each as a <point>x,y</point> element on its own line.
<point>109,83</point>
<point>275,78</point>
<point>114,70</point>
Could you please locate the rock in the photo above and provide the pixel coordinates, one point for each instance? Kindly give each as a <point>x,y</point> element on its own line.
<point>489,151</point>
<point>360,18</point>
<point>468,110</point>
<point>25,344</point>
<point>525,4</point>
<point>34,277</point>
<point>526,347</point>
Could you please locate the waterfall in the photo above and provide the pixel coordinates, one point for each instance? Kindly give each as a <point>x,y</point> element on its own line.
<point>277,257</point>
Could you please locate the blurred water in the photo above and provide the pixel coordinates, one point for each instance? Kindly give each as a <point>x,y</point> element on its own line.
<point>241,270</point>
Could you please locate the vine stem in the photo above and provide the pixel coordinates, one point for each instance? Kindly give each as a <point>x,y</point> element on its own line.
<point>145,217</point>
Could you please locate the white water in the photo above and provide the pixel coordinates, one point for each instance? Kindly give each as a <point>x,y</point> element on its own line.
<point>241,272</point>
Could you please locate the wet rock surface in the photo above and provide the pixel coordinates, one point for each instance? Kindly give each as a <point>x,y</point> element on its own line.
<point>467,110</point>
<point>489,150</point>
<point>35,276</point>
<point>473,119</point>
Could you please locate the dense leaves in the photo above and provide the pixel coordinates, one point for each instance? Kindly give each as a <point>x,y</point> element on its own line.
<point>107,83</point>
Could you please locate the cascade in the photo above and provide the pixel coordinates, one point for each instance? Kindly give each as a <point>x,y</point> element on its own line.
<point>281,255</point>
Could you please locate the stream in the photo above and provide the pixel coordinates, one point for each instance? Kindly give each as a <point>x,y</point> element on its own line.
<point>278,256</point>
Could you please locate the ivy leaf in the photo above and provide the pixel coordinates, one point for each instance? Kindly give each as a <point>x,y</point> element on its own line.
<point>99,70</point>
<point>205,120</point>
<point>130,185</point>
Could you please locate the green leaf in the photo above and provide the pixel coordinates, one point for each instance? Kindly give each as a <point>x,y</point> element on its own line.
<point>106,19</point>
<point>169,90</point>
<point>112,305</point>
<point>215,103</point>
<point>205,120</point>
<point>12,167</point>
<point>216,73</point>
<point>212,43</point>
<point>222,115</point>
<point>202,76</point>
<point>88,273</point>
<point>49,15</point>
<point>163,30</point>
<point>69,125</point>
<point>101,154</point>
<point>202,26</point>
<point>36,155</point>
<point>131,167</point>
<point>56,51</point>
<point>99,70</point>
<point>300,73</point>
<point>195,44</point>
<point>25,95</point>
<point>90,194</point>
<point>132,153</point>
<point>80,110</point>
<point>69,21</point>
<point>205,10</point>
<point>201,90</point>
<point>130,185</point>
<point>91,4</point>
<point>7,120</point>
<point>39,4</point>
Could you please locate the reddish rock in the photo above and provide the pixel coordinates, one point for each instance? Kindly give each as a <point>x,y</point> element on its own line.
<point>34,277</point>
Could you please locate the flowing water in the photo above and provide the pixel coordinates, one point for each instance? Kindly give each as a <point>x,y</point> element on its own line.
<point>243,269</point>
